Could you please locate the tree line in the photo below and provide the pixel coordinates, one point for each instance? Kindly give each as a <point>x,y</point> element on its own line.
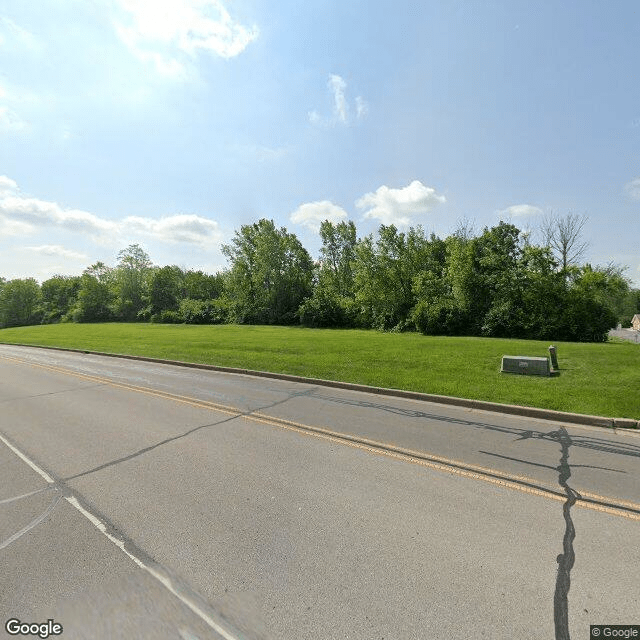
<point>494,283</point>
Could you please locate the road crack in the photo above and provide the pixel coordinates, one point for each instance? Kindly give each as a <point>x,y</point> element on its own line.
<point>567,558</point>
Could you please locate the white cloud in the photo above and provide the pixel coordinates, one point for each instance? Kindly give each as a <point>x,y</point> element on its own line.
<point>166,31</point>
<point>340,107</point>
<point>362,108</point>
<point>311,214</point>
<point>13,36</point>
<point>341,110</point>
<point>7,186</point>
<point>13,228</point>
<point>40,213</point>
<point>14,101</point>
<point>190,229</point>
<point>315,118</point>
<point>20,214</point>
<point>57,250</point>
<point>520,211</point>
<point>398,206</point>
<point>270,154</point>
<point>632,189</point>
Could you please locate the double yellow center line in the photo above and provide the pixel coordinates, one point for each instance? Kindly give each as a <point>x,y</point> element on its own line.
<point>587,500</point>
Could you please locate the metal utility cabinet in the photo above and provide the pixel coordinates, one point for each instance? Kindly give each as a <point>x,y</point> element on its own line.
<point>526,365</point>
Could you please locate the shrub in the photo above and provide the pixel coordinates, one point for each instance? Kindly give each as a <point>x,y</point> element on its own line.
<point>204,311</point>
<point>586,320</point>
<point>167,316</point>
<point>443,318</point>
<point>322,311</point>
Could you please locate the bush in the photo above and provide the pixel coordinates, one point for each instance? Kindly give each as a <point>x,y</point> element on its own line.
<point>167,317</point>
<point>586,320</point>
<point>442,318</point>
<point>504,320</point>
<point>323,311</point>
<point>204,311</point>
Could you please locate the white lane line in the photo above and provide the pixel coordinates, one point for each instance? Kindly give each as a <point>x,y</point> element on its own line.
<point>24,458</point>
<point>164,580</point>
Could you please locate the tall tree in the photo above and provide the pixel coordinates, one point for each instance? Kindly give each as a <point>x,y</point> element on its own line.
<point>199,285</point>
<point>59,295</point>
<point>337,255</point>
<point>20,302</point>
<point>563,235</point>
<point>95,300</point>
<point>445,289</point>
<point>166,289</point>
<point>131,282</point>
<point>271,274</point>
<point>499,297</point>
<point>606,284</point>
<point>100,271</point>
<point>385,273</point>
<point>331,304</point>
<point>543,290</point>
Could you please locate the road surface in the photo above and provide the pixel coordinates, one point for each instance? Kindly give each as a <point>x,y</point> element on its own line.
<point>143,500</point>
<point>626,334</point>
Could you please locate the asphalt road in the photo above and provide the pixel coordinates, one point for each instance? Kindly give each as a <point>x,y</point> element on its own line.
<point>626,334</point>
<point>141,500</point>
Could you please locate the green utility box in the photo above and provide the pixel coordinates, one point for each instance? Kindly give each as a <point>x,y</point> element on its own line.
<point>526,365</point>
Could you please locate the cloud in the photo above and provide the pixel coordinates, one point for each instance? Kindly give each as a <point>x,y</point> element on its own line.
<point>13,228</point>
<point>520,211</point>
<point>340,107</point>
<point>632,189</point>
<point>7,186</point>
<point>190,229</point>
<point>311,214</point>
<point>13,36</point>
<point>270,154</point>
<point>20,214</point>
<point>316,119</point>
<point>40,213</point>
<point>341,110</point>
<point>171,32</point>
<point>398,206</point>
<point>57,250</point>
<point>14,101</point>
<point>362,108</point>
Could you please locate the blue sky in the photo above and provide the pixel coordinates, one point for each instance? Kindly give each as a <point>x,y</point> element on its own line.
<point>171,123</point>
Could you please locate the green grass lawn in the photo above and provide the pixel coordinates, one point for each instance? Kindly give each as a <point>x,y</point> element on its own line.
<point>599,379</point>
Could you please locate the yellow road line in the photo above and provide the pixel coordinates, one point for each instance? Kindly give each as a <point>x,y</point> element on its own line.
<point>429,460</point>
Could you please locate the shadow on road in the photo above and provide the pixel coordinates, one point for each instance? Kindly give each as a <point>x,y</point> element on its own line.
<point>595,443</point>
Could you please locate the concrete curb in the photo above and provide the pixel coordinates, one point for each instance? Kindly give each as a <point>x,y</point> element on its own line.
<point>511,409</point>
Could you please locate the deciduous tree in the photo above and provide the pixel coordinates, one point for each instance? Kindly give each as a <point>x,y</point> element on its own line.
<point>59,296</point>
<point>563,235</point>
<point>131,282</point>
<point>271,274</point>
<point>20,303</point>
